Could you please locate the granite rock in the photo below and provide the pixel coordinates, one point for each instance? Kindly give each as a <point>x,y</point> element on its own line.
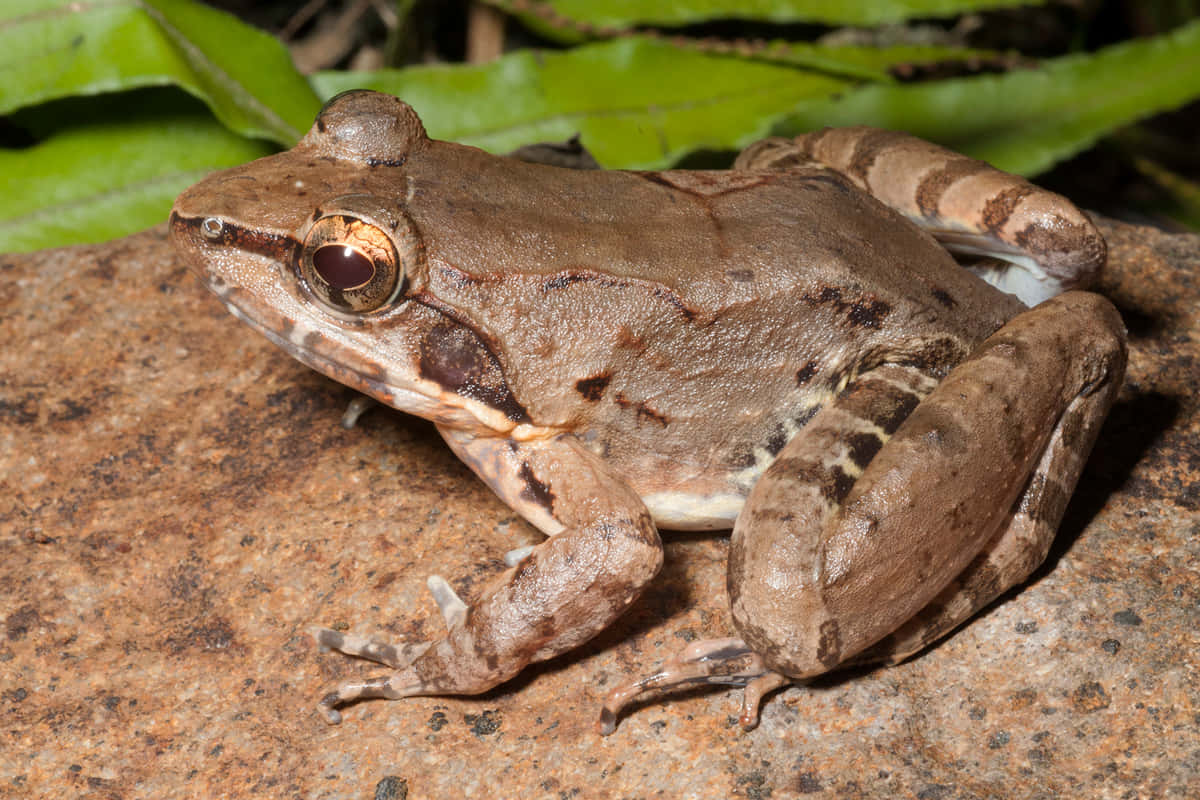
<point>178,503</point>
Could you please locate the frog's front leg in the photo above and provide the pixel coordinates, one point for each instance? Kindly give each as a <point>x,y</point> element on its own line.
<point>873,521</point>
<point>604,550</point>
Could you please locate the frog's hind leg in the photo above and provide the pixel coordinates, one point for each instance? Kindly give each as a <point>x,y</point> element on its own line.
<point>1035,243</point>
<point>829,453</point>
<point>1021,544</point>
<point>956,507</point>
<point>875,522</point>
<point>707,662</point>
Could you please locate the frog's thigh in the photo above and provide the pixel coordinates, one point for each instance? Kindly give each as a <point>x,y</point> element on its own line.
<point>775,559</point>
<point>1023,540</point>
<point>813,581</point>
<point>1039,242</point>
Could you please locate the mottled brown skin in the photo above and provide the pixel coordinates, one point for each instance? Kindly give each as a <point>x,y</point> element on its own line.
<point>611,351</point>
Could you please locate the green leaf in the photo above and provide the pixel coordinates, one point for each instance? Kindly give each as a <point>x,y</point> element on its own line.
<point>116,171</point>
<point>1027,120</point>
<point>575,16</point>
<point>869,63</point>
<point>1183,195</point>
<point>638,103</point>
<point>51,49</point>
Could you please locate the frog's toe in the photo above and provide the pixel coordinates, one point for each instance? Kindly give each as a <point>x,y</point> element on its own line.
<point>753,694</point>
<point>392,687</point>
<point>710,661</point>
<point>517,555</point>
<point>453,609</point>
<point>396,656</point>
<point>356,408</point>
<point>402,683</point>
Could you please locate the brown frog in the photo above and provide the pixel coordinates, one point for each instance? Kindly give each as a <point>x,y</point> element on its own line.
<point>775,348</point>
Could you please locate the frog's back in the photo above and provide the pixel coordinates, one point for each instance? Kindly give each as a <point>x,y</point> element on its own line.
<point>704,241</point>
<point>686,323</point>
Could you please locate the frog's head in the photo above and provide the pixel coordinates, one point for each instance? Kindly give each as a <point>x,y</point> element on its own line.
<point>313,248</point>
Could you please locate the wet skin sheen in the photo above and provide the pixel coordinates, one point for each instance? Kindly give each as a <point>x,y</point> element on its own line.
<point>786,348</point>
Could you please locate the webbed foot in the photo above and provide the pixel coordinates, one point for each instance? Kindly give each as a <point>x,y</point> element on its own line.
<point>709,661</point>
<point>603,550</point>
<point>398,656</point>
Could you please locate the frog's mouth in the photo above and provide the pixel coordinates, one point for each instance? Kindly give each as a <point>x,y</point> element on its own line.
<point>199,238</point>
<point>259,295</point>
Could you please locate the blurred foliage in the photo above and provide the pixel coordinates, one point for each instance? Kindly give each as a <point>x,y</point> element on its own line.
<point>109,110</point>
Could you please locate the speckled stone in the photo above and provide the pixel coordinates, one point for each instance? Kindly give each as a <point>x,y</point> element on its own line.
<point>178,503</point>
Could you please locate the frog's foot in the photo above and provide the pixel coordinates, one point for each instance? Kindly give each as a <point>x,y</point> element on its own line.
<point>603,551</point>
<point>710,661</point>
<point>390,687</point>
<point>397,656</point>
<point>356,408</point>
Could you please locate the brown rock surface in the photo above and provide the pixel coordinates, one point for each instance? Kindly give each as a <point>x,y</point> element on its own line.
<point>178,503</point>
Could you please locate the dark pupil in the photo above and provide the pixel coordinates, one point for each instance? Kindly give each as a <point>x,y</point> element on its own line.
<point>342,267</point>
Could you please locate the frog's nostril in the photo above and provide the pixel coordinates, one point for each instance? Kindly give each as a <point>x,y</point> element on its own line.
<point>212,228</point>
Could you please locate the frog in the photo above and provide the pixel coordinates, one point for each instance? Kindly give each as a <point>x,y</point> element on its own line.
<point>787,348</point>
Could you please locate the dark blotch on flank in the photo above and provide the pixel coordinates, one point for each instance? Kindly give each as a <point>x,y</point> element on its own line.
<point>777,440</point>
<point>593,388</point>
<point>640,408</point>
<point>535,490</point>
<point>646,412</point>
<point>829,644</point>
<point>943,297</point>
<point>869,314</point>
<point>828,294</point>
<point>806,373</point>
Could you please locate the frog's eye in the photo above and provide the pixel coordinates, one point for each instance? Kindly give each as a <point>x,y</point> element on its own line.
<point>361,253</point>
<point>343,267</point>
<point>350,264</point>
